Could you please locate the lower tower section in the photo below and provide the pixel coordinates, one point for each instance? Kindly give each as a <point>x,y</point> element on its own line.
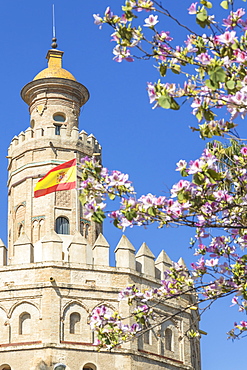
<point>45,308</point>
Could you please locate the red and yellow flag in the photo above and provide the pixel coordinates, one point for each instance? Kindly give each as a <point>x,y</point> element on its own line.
<point>62,177</point>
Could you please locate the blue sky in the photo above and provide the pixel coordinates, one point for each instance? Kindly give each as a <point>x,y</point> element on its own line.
<point>143,142</point>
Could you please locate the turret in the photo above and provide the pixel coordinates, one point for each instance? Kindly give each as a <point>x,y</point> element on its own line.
<point>54,99</point>
<point>125,254</point>
<point>54,96</point>
<point>145,260</point>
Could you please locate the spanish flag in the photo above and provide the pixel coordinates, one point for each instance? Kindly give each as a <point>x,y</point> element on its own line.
<point>62,177</point>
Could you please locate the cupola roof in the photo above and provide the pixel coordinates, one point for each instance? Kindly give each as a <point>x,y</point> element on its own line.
<point>54,69</point>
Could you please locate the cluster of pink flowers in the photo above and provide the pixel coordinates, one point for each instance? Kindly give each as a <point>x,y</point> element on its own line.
<point>211,194</point>
<point>220,81</point>
<point>110,328</point>
<point>204,201</point>
<point>234,19</point>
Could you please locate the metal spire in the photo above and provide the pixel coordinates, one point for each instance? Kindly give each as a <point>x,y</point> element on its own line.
<point>54,40</point>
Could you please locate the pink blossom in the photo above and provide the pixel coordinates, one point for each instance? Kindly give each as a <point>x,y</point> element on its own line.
<point>92,206</point>
<point>192,8</point>
<point>96,342</point>
<point>181,185</point>
<point>123,19</point>
<point>243,23</point>
<point>122,53</point>
<point>229,37</point>
<point>148,294</point>
<point>119,179</point>
<point>164,36</point>
<point>181,165</point>
<point>234,18</point>
<point>199,265</point>
<point>244,151</point>
<point>204,58</point>
<point>234,301</point>
<point>190,45</point>
<point>125,223</point>
<point>108,13</point>
<point>196,105</point>
<point>239,13</point>
<point>241,56</point>
<point>243,324</point>
<point>195,166</point>
<point>151,92</point>
<point>151,21</point>
<point>148,200</point>
<point>212,262</point>
<point>98,20</point>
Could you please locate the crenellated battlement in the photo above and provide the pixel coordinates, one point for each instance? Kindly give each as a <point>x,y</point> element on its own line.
<point>75,250</point>
<point>51,132</point>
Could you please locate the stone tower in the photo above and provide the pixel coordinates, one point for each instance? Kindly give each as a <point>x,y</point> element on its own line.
<point>54,98</point>
<point>57,270</point>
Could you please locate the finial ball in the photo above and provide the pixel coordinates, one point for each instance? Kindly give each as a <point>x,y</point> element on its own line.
<point>54,43</point>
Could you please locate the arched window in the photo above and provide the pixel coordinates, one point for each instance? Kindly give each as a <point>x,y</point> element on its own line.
<point>86,230</point>
<point>168,339</point>
<point>89,366</point>
<point>62,226</point>
<point>35,231</point>
<point>146,336</point>
<point>85,226</point>
<point>57,129</point>
<point>74,323</point>
<point>5,367</point>
<point>41,228</point>
<point>24,323</point>
<point>59,117</point>
<point>82,228</point>
<point>20,230</point>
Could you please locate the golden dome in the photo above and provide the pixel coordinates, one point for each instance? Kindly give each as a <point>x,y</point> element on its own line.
<point>54,69</point>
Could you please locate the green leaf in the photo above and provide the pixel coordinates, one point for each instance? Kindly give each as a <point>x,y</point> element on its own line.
<point>198,179</point>
<point>204,131</point>
<point>211,84</point>
<point>199,115</point>
<point>200,175</point>
<point>202,16</point>
<point>165,101</point>
<point>217,75</point>
<point>213,174</point>
<point>230,84</point>
<point>111,196</point>
<point>163,69</point>
<point>201,24</point>
<point>129,15</point>
<point>184,173</point>
<point>98,216</point>
<point>183,197</point>
<point>224,4</point>
<point>208,4</point>
<point>180,197</point>
<point>151,211</point>
<point>116,222</point>
<point>176,69</point>
<point>239,84</point>
<point>208,115</point>
<point>174,104</point>
<point>130,214</point>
